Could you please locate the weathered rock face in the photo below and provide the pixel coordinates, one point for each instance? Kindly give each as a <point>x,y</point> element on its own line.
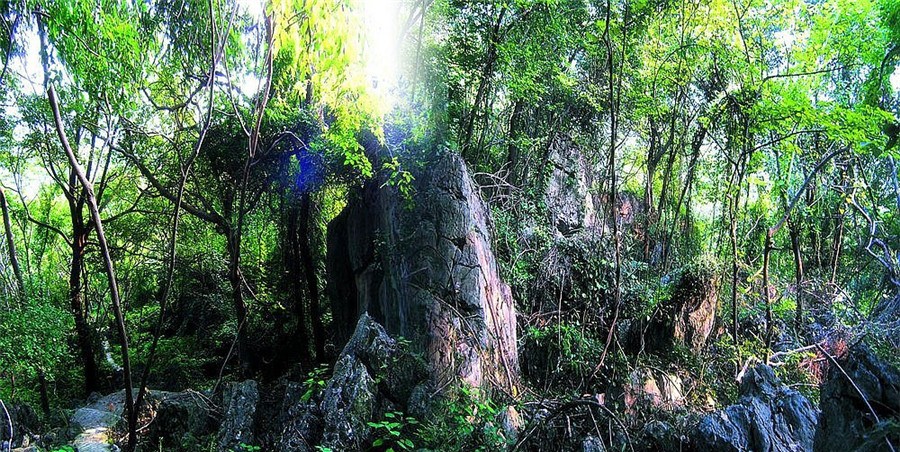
<point>592,444</point>
<point>768,417</point>
<point>181,419</point>
<point>687,318</point>
<point>239,402</point>
<point>847,421</point>
<point>427,273</point>
<point>570,203</point>
<point>301,421</point>
<point>92,425</point>
<point>373,375</point>
<point>653,387</point>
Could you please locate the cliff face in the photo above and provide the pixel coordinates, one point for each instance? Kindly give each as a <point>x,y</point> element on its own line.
<point>425,270</point>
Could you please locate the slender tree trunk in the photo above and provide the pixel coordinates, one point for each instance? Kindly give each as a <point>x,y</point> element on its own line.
<point>770,234</point>
<point>486,76</point>
<point>613,97</point>
<point>732,235</point>
<point>648,204</point>
<point>11,246</point>
<point>42,389</point>
<point>512,152</point>
<point>838,244</point>
<point>770,326</point>
<point>94,208</point>
<point>235,279</point>
<point>794,230</point>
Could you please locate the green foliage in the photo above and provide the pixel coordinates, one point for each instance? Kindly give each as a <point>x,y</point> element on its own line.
<point>571,349</point>
<point>33,339</point>
<point>399,178</point>
<point>315,382</point>
<point>464,419</point>
<point>394,432</point>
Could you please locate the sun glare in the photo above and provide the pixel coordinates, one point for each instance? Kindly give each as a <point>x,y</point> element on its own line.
<point>382,48</point>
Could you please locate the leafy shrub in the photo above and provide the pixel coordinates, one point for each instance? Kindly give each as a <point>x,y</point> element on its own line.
<point>393,432</point>
<point>464,420</point>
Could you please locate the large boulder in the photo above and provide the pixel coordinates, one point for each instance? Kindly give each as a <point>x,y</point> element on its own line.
<point>768,417</point>
<point>860,403</point>
<point>423,268</point>
<point>239,403</point>
<point>92,425</point>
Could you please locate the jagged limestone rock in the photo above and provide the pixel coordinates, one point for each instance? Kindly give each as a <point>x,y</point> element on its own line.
<point>301,421</point>
<point>372,375</point>
<point>768,417</point>
<point>592,444</point>
<point>348,403</point>
<point>688,317</point>
<point>180,418</point>
<point>847,422</point>
<point>424,269</point>
<point>570,204</point>
<point>239,403</point>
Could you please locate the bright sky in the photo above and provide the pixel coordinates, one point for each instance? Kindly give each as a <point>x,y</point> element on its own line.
<point>382,47</point>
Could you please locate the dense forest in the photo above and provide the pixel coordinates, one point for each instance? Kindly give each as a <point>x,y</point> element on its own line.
<point>398,225</point>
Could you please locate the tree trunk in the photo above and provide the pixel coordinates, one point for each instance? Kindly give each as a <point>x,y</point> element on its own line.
<point>512,150</point>
<point>11,246</point>
<point>648,204</point>
<point>486,76</point>
<point>85,337</point>
<point>838,244</point>
<point>732,235</point>
<point>309,271</point>
<point>294,272</point>
<point>794,230</point>
<point>42,389</point>
<point>245,361</point>
<point>94,208</point>
<point>767,294</point>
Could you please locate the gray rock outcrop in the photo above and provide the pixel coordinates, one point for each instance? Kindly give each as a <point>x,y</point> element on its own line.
<point>373,375</point>
<point>239,403</point>
<point>92,425</point>
<point>768,417</point>
<point>687,318</point>
<point>859,408</point>
<point>180,419</point>
<point>571,206</point>
<point>424,269</point>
